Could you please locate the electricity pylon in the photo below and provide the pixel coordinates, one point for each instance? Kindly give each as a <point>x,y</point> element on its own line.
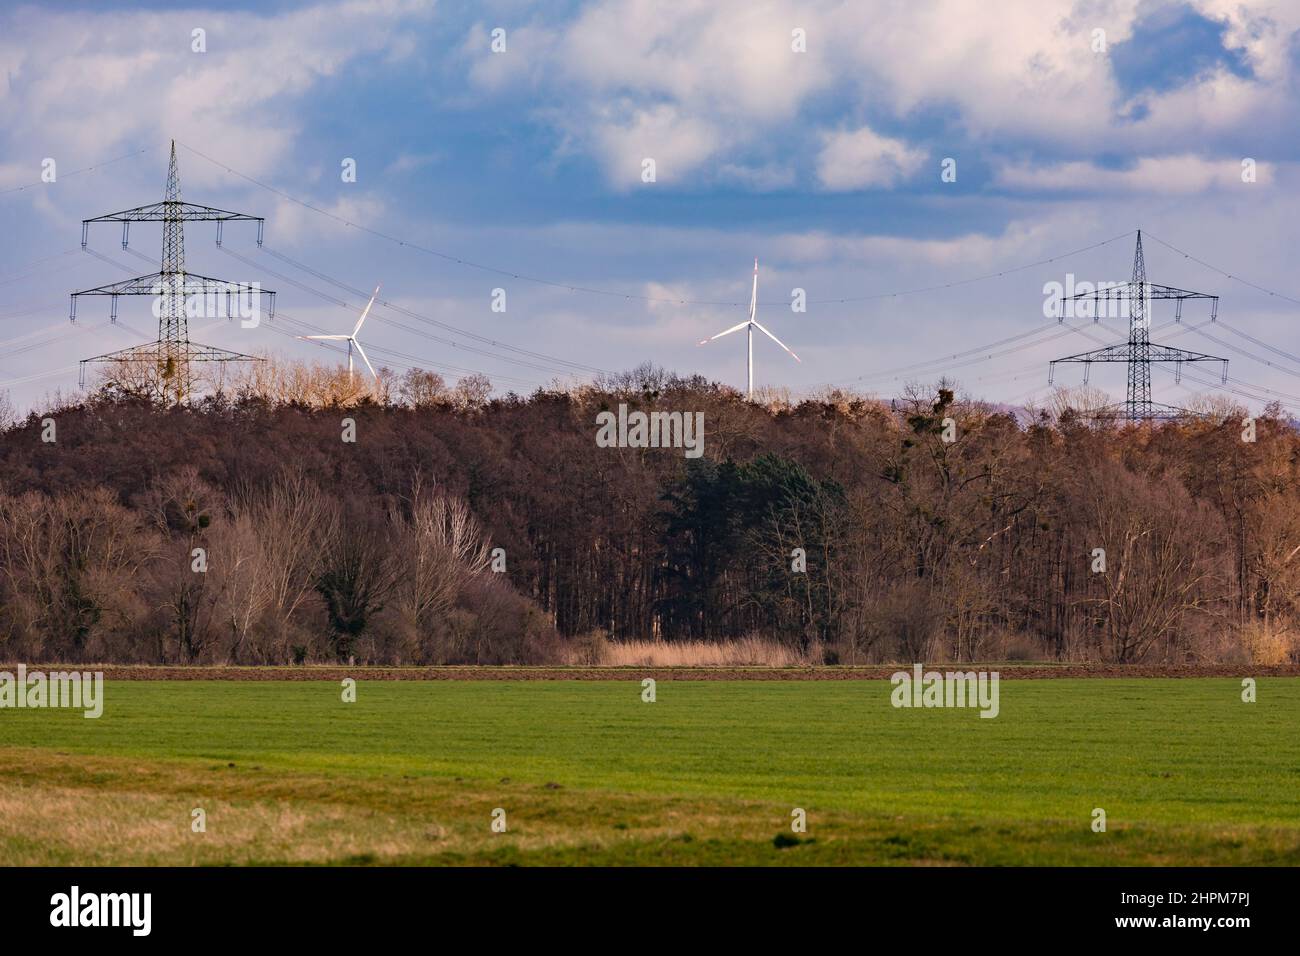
<point>1138,352</point>
<point>172,287</point>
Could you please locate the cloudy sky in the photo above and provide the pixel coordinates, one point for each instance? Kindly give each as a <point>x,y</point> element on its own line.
<point>812,135</point>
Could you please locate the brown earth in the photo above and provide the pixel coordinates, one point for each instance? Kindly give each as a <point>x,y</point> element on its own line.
<point>874,672</point>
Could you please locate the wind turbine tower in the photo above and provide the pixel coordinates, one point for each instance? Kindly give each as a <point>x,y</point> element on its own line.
<point>351,339</point>
<point>749,325</point>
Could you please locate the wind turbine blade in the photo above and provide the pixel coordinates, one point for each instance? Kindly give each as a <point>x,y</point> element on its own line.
<point>332,338</point>
<point>753,295</point>
<point>734,328</point>
<point>367,311</point>
<point>364,359</point>
<point>778,342</point>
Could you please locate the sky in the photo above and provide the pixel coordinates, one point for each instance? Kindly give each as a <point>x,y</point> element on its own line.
<point>504,146</point>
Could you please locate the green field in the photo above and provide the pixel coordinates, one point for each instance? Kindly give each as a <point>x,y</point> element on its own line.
<point>709,773</point>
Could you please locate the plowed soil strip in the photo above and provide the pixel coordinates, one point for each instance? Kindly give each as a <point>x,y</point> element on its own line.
<point>875,672</point>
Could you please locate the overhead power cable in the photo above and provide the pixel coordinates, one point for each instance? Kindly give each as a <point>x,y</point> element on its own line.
<point>1227,275</point>
<point>1250,355</point>
<point>442,325</point>
<point>1260,342</point>
<point>389,321</point>
<point>420,362</point>
<point>572,287</point>
<point>75,172</point>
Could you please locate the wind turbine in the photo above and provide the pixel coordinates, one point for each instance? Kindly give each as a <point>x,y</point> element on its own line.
<point>352,339</point>
<point>750,324</point>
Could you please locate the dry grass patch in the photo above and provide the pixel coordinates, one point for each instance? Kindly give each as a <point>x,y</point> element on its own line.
<point>743,652</point>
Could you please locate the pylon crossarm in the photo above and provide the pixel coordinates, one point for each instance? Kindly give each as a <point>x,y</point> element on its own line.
<point>191,285</point>
<point>1154,410</point>
<point>131,352</point>
<point>140,285</point>
<point>1167,353</point>
<point>191,353</point>
<point>1157,291</point>
<point>184,211</point>
<point>1111,353</point>
<point>210,353</point>
<point>1121,291</point>
<point>1155,353</point>
<point>1161,411</point>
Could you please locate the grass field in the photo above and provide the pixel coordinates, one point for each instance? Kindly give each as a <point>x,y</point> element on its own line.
<point>709,774</point>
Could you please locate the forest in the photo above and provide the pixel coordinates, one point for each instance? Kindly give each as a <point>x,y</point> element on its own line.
<point>285,519</point>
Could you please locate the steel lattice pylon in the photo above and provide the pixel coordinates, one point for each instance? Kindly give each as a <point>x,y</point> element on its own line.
<point>173,330</point>
<point>1138,352</point>
<point>171,355</point>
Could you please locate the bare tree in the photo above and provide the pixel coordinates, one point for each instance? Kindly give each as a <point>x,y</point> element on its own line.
<point>70,564</point>
<point>314,385</point>
<point>443,547</point>
<point>1276,557</point>
<point>471,392</point>
<point>1159,549</point>
<point>359,570</point>
<point>421,389</point>
<point>182,507</point>
<point>238,563</point>
<point>272,557</point>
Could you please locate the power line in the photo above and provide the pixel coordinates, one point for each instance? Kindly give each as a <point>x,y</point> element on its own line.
<point>76,172</point>
<point>1226,275</point>
<point>14,277</point>
<point>32,310</point>
<point>55,327</point>
<point>570,287</point>
<point>442,325</point>
<point>1228,382</point>
<point>1244,389</point>
<point>972,279</point>
<point>69,330</point>
<point>947,362</point>
<point>380,318</point>
<point>1249,355</point>
<point>421,363</point>
<point>1011,375</point>
<point>962,359</point>
<point>1259,342</point>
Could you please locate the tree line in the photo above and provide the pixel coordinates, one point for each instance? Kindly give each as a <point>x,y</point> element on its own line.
<point>457,528</point>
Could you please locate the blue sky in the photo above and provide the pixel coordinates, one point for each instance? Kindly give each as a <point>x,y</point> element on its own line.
<point>825,164</point>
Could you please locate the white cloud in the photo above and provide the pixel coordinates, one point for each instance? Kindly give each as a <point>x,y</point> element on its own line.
<point>677,143</point>
<point>409,162</point>
<point>862,159</point>
<point>66,97</point>
<point>1151,174</point>
<point>290,222</point>
<point>683,83</point>
<point>719,80</point>
<point>760,178</point>
<point>13,175</point>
